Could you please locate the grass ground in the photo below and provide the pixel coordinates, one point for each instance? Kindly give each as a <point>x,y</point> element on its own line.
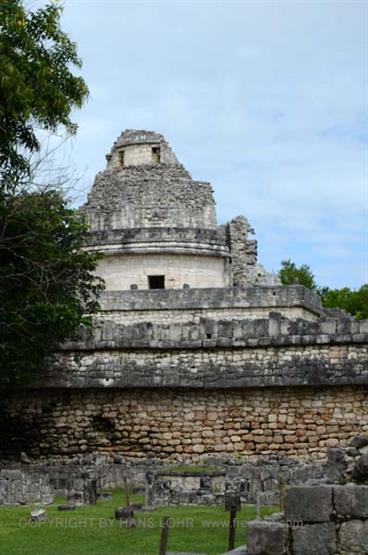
<point>92,530</point>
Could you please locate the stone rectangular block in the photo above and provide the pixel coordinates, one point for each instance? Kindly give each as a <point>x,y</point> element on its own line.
<point>328,326</point>
<point>351,501</point>
<point>354,537</point>
<point>363,326</point>
<point>242,550</point>
<point>314,539</point>
<point>267,538</point>
<point>308,504</point>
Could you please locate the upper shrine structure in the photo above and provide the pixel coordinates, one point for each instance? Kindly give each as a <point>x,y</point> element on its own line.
<point>157,227</point>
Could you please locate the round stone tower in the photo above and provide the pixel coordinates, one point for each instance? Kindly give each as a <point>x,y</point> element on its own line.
<point>155,226</point>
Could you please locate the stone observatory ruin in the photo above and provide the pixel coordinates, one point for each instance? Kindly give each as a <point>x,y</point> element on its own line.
<point>157,227</point>
<point>197,354</point>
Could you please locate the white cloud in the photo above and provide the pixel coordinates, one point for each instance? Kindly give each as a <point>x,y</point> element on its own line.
<point>267,100</point>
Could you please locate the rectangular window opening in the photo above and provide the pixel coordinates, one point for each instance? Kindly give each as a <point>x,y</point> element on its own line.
<point>156,154</point>
<point>156,282</point>
<point>122,156</point>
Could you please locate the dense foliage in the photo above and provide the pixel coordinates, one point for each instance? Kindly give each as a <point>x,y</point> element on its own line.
<point>290,274</point>
<point>354,302</point>
<point>47,283</point>
<point>37,87</point>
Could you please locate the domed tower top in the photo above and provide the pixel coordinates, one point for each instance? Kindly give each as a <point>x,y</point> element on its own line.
<point>140,148</point>
<point>155,225</point>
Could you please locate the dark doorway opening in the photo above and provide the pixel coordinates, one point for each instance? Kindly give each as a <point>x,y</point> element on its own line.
<point>156,282</point>
<point>156,154</point>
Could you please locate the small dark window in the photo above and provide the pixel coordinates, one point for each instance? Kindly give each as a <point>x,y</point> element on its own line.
<point>156,282</point>
<point>156,154</point>
<point>122,156</point>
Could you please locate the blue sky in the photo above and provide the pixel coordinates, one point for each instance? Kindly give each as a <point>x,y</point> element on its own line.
<point>267,100</point>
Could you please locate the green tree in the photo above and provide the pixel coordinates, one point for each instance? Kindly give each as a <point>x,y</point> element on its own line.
<point>47,282</point>
<point>37,87</point>
<point>291,274</point>
<point>47,285</point>
<point>355,302</point>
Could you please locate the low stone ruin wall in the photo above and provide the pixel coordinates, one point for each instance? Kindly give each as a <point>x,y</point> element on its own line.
<point>185,488</point>
<point>19,487</point>
<point>181,425</point>
<point>320,518</point>
<point>162,484</point>
<point>253,483</point>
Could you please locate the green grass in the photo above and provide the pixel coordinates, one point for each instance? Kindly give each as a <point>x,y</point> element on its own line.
<point>92,530</point>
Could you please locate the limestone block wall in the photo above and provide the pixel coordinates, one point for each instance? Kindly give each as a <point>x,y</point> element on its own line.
<point>135,154</point>
<point>220,368</point>
<point>121,271</point>
<point>214,354</point>
<point>149,196</point>
<point>222,303</point>
<point>321,517</point>
<point>18,487</point>
<point>183,390</point>
<point>137,147</point>
<point>176,425</point>
<point>199,315</point>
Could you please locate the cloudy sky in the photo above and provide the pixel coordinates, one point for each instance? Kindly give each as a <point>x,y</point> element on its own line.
<point>267,100</point>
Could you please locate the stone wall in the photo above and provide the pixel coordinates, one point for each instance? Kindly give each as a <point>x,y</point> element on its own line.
<point>122,271</point>
<point>181,424</point>
<point>321,517</point>
<point>196,305</point>
<point>214,354</point>
<point>277,298</point>
<point>251,482</point>
<point>137,147</point>
<point>18,487</point>
<point>149,196</point>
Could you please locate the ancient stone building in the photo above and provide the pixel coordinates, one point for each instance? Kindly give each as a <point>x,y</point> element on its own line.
<point>157,227</point>
<point>197,352</point>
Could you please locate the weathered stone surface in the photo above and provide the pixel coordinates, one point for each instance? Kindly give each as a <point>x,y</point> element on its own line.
<point>132,422</point>
<point>308,503</point>
<point>38,515</point>
<point>209,366</point>
<point>238,551</point>
<point>360,471</point>
<point>354,537</point>
<point>351,501</point>
<point>314,539</point>
<point>337,467</point>
<point>359,442</point>
<point>266,538</point>
<point>24,486</point>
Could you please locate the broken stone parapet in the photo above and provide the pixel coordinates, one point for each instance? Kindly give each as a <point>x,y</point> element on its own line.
<point>319,519</point>
<point>350,464</point>
<point>19,487</point>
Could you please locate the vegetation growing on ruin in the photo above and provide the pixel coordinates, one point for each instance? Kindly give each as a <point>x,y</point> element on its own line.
<point>354,302</point>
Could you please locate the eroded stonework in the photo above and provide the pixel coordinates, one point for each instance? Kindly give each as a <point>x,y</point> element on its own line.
<point>150,218</point>
<point>196,352</point>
